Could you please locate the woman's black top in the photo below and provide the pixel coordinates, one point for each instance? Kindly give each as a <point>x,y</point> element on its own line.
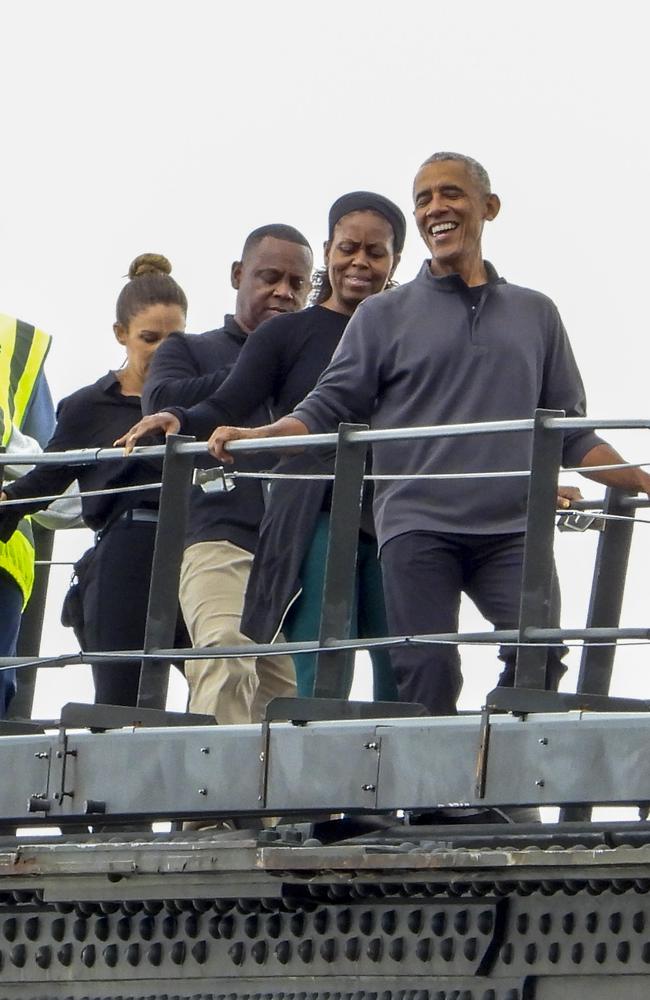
<point>92,417</point>
<point>280,362</point>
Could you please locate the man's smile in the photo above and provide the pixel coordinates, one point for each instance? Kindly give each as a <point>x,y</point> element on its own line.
<point>440,228</point>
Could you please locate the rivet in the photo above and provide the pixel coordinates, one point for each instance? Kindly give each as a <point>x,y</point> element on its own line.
<point>368,788</point>
<point>543,741</point>
<point>540,782</point>
<point>203,791</point>
<point>373,745</point>
<point>205,749</point>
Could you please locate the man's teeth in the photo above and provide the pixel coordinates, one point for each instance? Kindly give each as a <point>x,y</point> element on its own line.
<point>442,227</point>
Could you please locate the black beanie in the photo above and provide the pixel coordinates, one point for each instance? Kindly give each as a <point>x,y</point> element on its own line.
<point>363,201</point>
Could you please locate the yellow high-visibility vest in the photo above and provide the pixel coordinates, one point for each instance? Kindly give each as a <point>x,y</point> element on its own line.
<point>23,350</point>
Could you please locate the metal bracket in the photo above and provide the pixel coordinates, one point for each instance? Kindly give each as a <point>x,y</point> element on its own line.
<point>213,480</point>
<point>60,768</point>
<point>482,755</point>
<point>302,710</point>
<point>40,801</point>
<point>78,715</point>
<point>525,701</point>
<point>580,522</point>
<point>264,762</point>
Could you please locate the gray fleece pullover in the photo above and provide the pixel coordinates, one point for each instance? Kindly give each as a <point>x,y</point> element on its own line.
<point>423,354</point>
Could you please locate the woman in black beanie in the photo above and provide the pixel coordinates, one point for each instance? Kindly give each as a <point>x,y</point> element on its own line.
<point>286,584</point>
<point>281,362</point>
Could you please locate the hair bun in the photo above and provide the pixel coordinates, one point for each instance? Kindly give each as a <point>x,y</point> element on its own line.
<point>149,263</point>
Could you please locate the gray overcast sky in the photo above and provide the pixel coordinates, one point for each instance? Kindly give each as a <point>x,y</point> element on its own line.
<point>178,127</point>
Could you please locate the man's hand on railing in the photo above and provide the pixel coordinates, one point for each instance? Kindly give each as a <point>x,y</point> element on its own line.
<point>284,427</point>
<point>566,495</point>
<point>222,435</point>
<point>156,423</point>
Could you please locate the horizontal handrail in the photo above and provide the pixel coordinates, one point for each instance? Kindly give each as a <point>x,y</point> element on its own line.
<point>82,456</point>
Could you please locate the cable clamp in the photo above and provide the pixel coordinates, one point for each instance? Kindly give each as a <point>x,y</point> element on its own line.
<point>580,522</point>
<point>215,480</point>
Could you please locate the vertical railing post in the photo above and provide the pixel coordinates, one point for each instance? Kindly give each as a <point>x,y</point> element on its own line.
<point>605,604</point>
<point>606,599</point>
<point>333,669</point>
<point>162,610</point>
<point>537,577</point>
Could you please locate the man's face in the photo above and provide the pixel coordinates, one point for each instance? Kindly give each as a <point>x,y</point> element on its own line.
<point>450,209</point>
<point>274,277</point>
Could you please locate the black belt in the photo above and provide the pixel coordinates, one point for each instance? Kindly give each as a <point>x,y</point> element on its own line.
<point>138,514</point>
<point>132,514</point>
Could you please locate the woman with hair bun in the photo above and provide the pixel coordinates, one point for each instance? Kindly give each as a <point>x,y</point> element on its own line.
<point>110,604</point>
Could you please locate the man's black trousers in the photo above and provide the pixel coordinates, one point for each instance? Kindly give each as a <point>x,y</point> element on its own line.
<point>424,575</point>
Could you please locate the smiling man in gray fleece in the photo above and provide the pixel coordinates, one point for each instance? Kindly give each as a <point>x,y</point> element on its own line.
<point>457,344</point>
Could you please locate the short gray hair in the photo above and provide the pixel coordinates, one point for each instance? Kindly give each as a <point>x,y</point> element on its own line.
<point>478,172</point>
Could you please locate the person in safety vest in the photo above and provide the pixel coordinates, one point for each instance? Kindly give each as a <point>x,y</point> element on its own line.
<point>26,412</point>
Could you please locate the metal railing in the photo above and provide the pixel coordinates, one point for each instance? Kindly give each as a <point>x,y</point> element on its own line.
<point>334,646</point>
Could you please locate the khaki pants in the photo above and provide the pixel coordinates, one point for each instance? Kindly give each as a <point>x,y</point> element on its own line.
<point>212,588</point>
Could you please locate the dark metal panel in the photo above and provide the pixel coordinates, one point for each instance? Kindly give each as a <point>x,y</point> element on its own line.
<point>601,987</point>
<point>436,939</point>
<point>602,933</point>
<point>302,987</point>
<point>551,940</point>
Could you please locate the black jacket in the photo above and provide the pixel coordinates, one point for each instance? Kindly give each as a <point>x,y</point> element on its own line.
<point>92,417</point>
<point>186,369</point>
<point>285,536</point>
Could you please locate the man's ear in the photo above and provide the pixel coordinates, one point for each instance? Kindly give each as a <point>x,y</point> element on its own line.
<point>120,333</point>
<point>235,274</point>
<point>493,205</point>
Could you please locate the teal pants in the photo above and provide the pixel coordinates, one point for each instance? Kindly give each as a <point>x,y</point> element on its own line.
<point>369,617</point>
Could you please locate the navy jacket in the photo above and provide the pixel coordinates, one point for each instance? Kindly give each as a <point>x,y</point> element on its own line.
<point>186,369</point>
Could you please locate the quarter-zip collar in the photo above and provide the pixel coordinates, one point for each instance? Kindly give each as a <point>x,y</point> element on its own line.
<point>454,282</point>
